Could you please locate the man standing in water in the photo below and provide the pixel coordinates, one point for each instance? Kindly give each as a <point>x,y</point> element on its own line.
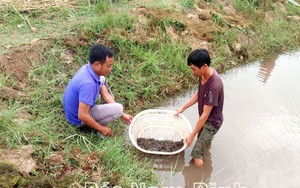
<point>210,98</point>
<point>83,91</point>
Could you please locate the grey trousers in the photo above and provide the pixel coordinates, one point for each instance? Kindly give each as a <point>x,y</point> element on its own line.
<point>105,113</point>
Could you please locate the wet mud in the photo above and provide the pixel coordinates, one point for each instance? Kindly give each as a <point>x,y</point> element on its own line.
<point>159,145</point>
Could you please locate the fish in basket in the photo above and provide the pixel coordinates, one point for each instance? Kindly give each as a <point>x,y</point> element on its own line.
<point>158,131</point>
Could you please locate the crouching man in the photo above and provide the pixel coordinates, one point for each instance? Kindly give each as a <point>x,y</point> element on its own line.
<point>83,90</point>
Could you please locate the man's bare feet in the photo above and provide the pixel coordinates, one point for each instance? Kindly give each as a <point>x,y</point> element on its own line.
<point>198,162</point>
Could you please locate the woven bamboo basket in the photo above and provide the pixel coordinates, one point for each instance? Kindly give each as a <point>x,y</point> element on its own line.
<point>159,125</point>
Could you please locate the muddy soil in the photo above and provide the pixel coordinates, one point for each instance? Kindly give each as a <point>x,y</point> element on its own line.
<point>159,145</point>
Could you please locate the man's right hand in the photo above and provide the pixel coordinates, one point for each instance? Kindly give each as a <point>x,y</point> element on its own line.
<point>83,114</point>
<point>106,131</point>
<point>179,110</point>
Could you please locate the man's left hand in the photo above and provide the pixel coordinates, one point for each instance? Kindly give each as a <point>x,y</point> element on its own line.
<point>126,118</point>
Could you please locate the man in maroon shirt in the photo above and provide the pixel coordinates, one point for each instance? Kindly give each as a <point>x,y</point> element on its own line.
<point>210,98</point>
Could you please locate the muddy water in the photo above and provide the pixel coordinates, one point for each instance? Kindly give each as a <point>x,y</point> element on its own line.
<point>258,145</point>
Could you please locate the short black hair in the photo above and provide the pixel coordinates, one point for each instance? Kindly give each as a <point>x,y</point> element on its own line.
<point>99,53</point>
<point>199,57</point>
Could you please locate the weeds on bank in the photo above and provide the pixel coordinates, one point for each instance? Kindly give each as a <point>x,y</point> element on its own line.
<point>50,134</point>
<point>23,27</point>
<point>263,37</point>
<point>139,73</point>
<point>147,75</point>
<point>280,35</point>
<point>186,4</point>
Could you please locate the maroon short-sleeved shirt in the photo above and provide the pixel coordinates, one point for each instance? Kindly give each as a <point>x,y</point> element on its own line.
<point>212,94</point>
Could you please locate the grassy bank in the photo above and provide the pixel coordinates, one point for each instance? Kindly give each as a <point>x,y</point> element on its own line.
<point>43,46</point>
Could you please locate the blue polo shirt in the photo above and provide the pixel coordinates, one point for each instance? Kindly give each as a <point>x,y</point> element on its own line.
<point>83,87</point>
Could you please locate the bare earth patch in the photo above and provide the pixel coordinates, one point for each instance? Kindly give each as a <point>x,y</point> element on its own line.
<point>20,157</point>
<point>19,62</point>
<point>17,65</point>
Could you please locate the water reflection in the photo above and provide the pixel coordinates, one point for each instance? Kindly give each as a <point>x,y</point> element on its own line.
<point>168,163</point>
<point>195,174</point>
<point>266,68</point>
<point>175,171</point>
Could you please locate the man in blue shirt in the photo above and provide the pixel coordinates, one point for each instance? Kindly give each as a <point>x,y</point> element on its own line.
<point>83,91</point>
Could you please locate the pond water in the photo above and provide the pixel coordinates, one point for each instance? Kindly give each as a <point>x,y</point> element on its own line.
<point>258,145</point>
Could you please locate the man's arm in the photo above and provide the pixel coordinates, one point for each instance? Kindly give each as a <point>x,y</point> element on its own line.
<point>83,115</point>
<point>200,123</point>
<point>189,103</point>
<point>107,97</point>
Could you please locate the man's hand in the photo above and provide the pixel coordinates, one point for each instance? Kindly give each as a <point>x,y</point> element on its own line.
<point>189,140</point>
<point>106,131</point>
<point>179,110</point>
<point>126,118</point>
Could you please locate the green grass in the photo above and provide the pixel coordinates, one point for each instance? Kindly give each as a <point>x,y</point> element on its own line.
<point>2,80</point>
<point>148,70</point>
<point>280,35</point>
<point>186,4</point>
<point>24,27</point>
<point>50,134</point>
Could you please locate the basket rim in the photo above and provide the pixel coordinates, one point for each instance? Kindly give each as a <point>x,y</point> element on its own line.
<point>133,141</point>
